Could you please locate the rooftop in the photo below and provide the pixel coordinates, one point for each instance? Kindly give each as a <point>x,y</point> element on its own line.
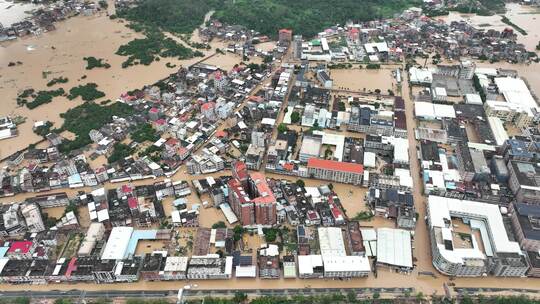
<point>335,165</point>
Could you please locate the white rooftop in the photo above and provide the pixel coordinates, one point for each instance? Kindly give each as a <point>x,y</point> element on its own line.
<point>516,91</point>
<point>117,243</point>
<point>484,217</point>
<point>394,247</point>
<point>306,263</point>
<point>331,241</point>
<point>346,263</point>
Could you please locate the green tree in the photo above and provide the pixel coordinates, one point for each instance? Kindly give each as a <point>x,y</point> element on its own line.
<point>103,4</point>
<point>300,183</point>
<point>295,117</point>
<point>219,224</point>
<point>270,234</point>
<point>282,128</point>
<point>239,297</point>
<point>120,151</point>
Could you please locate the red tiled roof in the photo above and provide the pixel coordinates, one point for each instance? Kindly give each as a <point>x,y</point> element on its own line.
<point>20,247</point>
<point>71,267</point>
<point>221,133</point>
<point>288,166</point>
<point>256,98</point>
<point>241,170</point>
<point>160,121</point>
<point>171,142</point>
<point>335,165</point>
<point>126,189</point>
<point>236,187</point>
<point>133,203</point>
<point>207,106</point>
<point>265,193</point>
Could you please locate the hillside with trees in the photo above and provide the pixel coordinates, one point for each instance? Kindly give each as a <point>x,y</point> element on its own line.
<point>306,17</point>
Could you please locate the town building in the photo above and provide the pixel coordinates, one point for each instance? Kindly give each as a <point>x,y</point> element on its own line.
<point>32,216</point>
<point>251,198</point>
<point>524,181</point>
<point>336,171</point>
<point>470,239</point>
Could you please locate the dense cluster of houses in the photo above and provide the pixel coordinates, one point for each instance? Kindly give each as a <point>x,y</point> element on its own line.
<point>411,34</point>
<point>44,18</point>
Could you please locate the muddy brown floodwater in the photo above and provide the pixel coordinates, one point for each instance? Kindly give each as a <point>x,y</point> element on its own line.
<point>60,53</point>
<point>359,79</point>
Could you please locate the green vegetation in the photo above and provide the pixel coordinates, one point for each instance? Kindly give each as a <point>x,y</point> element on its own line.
<point>42,97</point>
<point>340,65</point>
<point>480,7</point>
<point>147,301</point>
<point>71,207</point>
<point>88,92</point>
<point>282,128</point>
<point>270,234</point>
<point>295,117</point>
<point>478,88</point>
<point>120,151</point>
<point>220,224</point>
<point>144,132</point>
<point>434,12</point>
<point>363,216</point>
<point>515,26</point>
<point>81,119</point>
<point>373,66</point>
<point>315,127</point>
<point>341,106</point>
<point>300,183</point>
<point>178,16</point>
<point>155,45</point>
<point>93,62</point>
<point>296,299</point>
<point>257,68</point>
<point>44,129</point>
<point>57,80</point>
<point>238,232</point>
<point>19,300</point>
<point>306,17</point>
<point>63,301</point>
<point>103,4</point>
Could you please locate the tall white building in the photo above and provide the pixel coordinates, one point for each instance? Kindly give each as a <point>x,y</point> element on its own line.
<point>33,218</point>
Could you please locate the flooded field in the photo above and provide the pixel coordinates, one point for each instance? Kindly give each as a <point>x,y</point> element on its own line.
<point>363,79</point>
<point>60,53</point>
<point>11,12</point>
<point>526,17</point>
